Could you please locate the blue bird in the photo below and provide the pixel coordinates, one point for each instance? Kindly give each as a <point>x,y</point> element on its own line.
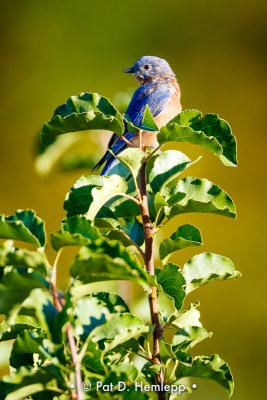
<point>159,91</point>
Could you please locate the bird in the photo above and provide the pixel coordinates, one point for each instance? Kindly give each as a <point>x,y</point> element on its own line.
<point>160,91</point>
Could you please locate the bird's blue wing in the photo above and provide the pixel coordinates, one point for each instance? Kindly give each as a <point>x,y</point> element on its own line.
<point>156,98</point>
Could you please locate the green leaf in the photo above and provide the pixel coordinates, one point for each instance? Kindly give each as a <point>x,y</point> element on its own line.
<point>79,198</point>
<point>90,193</point>
<point>185,236</point>
<point>133,159</point>
<point>105,218</point>
<point>188,317</point>
<point>103,260</point>
<point>8,332</point>
<point>25,382</point>
<point>24,225</point>
<point>189,336</point>
<point>206,268</point>
<point>15,287</point>
<point>111,186</point>
<point>118,329</point>
<point>26,344</point>
<point>172,283</point>
<point>92,359</point>
<point>148,122</point>
<point>210,132</point>
<point>165,167</point>
<point>159,202</point>
<point>76,231</point>
<point>202,196</point>
<point>124,207</point>
<point>212,368</point>
<point>134,229</point>
<point>93,310</point>
<point>83,112</point>
<point>168,351</point>
<point>18,258</point>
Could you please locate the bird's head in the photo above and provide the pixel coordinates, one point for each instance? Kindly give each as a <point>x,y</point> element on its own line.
<point>149,68</point>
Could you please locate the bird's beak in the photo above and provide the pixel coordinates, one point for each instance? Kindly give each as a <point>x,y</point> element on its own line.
<point>129,70</point>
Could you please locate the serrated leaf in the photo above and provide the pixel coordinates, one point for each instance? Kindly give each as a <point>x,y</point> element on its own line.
<point>185,236</point>
<point>210,132</point>
<point>79,198</point>
<point>24,225</point>
<point>25,259</point>
<point>172,284</point>
<point>89,194</point>
<point>118,329</point>
<point>165,167</point>
<point>76,231</point>
<point>202,196</point>
<point>206,268</point>
<point>103,260</point>
<point>84,111</point>
<point>212,368</point>
<point>133,159</point>
<point>15,287</point>
<point>189,336</point>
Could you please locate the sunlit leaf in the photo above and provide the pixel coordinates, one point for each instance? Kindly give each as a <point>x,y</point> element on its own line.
<point>83,112</point>
<point>107,260</point>
<point>24,225</point>
<point>185,236</point>
<point>206,268</point>
<point>165,167</point>
<point>212,368</point>
<point>118,329</point>
<point>201,196</point>
<point>76,231</point>
<point>209,131</point>
<point>25,259</point>
<point>189,336</point>
<point>133,159</point>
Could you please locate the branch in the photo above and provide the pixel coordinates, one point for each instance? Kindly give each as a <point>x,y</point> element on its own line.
<point>70,337</point>
<point>149,261</point>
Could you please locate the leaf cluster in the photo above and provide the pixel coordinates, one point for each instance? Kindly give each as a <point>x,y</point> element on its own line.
<point>103,220</point>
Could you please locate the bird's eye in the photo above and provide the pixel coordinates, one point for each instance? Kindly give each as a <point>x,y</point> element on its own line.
<point>147,66</point>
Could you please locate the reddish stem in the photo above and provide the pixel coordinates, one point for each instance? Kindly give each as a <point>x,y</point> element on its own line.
<point>149,261</point>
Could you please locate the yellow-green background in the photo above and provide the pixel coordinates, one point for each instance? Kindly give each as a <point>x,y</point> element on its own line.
<point>53,49</point>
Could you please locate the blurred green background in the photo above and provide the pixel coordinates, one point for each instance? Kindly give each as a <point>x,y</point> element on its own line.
<point>53,49</point>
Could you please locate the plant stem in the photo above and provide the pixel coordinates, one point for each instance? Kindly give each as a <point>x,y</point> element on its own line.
<point>149,261</point>
<point>69,332</point>
<point>75,361</point>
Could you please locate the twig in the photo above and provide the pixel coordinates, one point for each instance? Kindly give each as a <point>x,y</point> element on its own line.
<point>149,261</point>
<point>153,152</point>
<point>126,141</point>
<point>133,243</point>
